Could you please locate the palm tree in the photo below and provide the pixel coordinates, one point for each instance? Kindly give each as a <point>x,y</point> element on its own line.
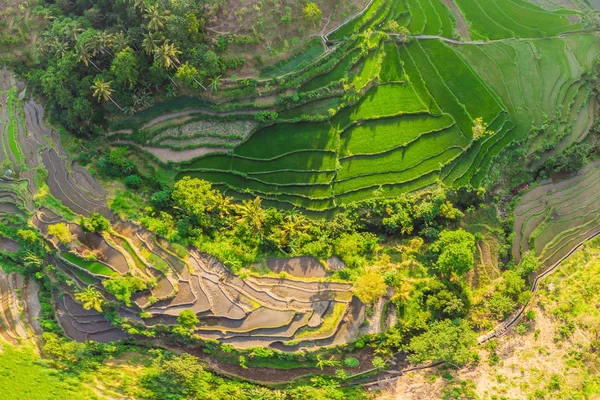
<point>156,20</point>
<point>215,83</point>
<point>120,41</point>
<point>294,224</point>
<point>91,298</point>
<point>323,362</point>
<point>139,4</point>
<point>46,13</point>
<point>75,29</point>
<point>166,55</point>
<point>152,41</point>
<point>104,41</point>
<point>84,55</point>
<point>102,91</point>
<point>60,47</point>
<point>251,212</point>
<point>402,295</point>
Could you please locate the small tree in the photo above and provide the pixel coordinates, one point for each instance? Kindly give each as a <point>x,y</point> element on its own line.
<point>480,129</point>
<point>124,287</point>
<point>447,341</point>
<point>456,250</point>
<point>95,223</point>
<point>91,298</point>
<point>187,319</point>
<point>369,287</point>
<point>60,232</point>
<point>312,13</point>
<point>133,181</point>
<point>378,363</point>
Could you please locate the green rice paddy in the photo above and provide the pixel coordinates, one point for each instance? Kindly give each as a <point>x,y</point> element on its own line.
<point>92,266</point>
<point>400,115</point>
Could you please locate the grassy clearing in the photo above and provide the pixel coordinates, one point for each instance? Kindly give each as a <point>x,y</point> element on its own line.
<point>386,191</point>
<point>23,375</point>
<point>418,19</point>
<point>12,126</point>
<point>513,18</point>
<point>334,75</point>
<point>446,17</point>
<point>311,53</point>
<point>377,136</point>
<point>241,183</point>
<point>311,109</point>
<point>366,70</point>
<point>278,139</point>
<point>290,178</point>
<point>416,79</point>
<point>434,23</point>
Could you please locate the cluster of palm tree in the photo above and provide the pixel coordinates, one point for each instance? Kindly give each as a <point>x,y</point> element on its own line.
<point>89,45</point>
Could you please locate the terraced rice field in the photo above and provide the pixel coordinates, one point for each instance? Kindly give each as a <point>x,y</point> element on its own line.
<point>410,123</point>
<point>553,218</point>
<point>305,310</point>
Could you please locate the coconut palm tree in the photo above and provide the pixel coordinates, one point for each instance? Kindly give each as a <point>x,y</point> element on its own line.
<point>251,212</point>
<point>60,47</point>
<point>152,41</point>
<point>32,260</point>
<point>104,41</point>
<point>139,4</point>
<point>102,91</point>
<point>215,83</point>
<point>166,55</point>
<point>156,19</point>
<point>75,28</point>
<point>84,55</point>
<point>120,41</point>
<point>91,298</point>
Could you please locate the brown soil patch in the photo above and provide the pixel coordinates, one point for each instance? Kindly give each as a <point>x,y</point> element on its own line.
<point>302,267</point>
<point>244,18</point>
<point>178,156</point>
<point>461,24</point>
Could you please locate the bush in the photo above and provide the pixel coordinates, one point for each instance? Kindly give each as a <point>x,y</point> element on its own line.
<point>124,287</point>
<point>133,181</point>
<point>187,319</point>
<point>95,223</point>
<point>60,232</point>
<point>351,362</point>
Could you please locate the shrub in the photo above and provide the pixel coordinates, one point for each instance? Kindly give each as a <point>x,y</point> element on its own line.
<point>187,319</point>
<point>133,181</point>
<point>124,287</point>
<point>95,223</point>
<point>369,287</point>
<point>60,232</point>
<point>351,362</point>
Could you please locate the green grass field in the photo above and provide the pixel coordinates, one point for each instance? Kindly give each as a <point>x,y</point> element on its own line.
<point>23,375</point>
